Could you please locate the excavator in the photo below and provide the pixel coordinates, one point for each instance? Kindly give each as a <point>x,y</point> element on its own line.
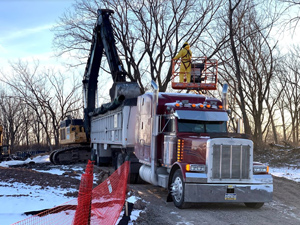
<point>75,133</point>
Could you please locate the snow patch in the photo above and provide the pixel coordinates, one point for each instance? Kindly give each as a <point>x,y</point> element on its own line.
<point>37,159</point>
<point>291,173</point>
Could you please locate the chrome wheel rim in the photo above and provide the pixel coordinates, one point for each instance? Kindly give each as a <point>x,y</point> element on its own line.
<point>177,189</point>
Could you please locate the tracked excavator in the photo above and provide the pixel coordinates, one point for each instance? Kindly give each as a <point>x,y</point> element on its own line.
<point>75,134</point>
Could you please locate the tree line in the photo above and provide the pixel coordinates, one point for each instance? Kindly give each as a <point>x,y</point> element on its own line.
<point>34,102</point>
<point>241,35</point>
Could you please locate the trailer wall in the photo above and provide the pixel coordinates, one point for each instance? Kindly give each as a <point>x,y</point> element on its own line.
<point>115,127</point>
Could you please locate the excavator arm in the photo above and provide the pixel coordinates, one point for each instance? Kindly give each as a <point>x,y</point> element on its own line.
<point>103,42</point>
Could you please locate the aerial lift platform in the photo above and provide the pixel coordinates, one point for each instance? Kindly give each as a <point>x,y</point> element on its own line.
<point>204,74</point>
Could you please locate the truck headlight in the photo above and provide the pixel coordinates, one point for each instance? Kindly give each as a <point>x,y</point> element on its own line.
<point>261,169</point>
<point>195,167</point>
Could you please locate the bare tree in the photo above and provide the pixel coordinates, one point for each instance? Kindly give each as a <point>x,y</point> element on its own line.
<point>232,33</point>
<point>248,64</point>
<point>48,95</point>
<point>292,91</point>
<point>280,88</point>
<point>292,8</point>
<point>148,33</point>
<point>12,119</point>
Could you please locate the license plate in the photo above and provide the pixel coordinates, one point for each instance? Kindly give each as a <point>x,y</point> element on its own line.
<point>230,196</point>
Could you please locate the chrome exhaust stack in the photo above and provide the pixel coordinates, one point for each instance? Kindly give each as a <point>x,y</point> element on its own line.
<point>225,96</point>
<point>154,134</point>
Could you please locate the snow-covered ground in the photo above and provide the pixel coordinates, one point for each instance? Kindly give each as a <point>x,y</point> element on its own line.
<point>17,198</point>
<point>291,173</point>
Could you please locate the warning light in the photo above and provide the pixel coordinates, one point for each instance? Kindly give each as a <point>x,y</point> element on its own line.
<point>187,167</point>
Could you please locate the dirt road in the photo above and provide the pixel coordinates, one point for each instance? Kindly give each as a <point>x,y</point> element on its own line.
<point>284,209</point>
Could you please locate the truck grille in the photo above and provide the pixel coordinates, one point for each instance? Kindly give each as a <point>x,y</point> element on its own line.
<point>231,162</point>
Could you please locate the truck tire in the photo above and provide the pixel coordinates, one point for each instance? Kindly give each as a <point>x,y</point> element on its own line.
<point>254,205</point>
<point>177,190</point>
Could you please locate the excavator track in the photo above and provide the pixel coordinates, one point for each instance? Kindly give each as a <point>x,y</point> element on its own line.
<point>70,155</point>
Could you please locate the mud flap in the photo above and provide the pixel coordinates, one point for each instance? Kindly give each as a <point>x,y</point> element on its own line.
<point>169,197</point>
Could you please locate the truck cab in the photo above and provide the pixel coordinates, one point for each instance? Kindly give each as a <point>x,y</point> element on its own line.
<point>196,158</point>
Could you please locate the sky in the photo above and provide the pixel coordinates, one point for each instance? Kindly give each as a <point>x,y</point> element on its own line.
<point>25,29</point>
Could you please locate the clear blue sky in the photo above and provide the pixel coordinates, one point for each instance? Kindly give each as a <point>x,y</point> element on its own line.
<point>25,28</point>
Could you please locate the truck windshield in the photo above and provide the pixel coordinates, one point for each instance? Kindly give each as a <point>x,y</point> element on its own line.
<point>197,126</point>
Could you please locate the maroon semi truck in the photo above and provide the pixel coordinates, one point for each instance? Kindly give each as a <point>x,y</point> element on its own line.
<point>184,146</point>
<point>181,142</point>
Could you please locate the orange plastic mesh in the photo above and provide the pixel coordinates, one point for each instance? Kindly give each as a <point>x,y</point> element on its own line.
<point>102,205</point>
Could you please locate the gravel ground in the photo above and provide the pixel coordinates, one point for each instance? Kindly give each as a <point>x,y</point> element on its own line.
<point>284,209</point>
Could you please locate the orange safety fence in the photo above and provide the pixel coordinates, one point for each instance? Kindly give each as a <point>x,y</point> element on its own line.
<point>102,205</point>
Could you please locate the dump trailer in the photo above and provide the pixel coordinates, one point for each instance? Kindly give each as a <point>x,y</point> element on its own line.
<point>112,137</point>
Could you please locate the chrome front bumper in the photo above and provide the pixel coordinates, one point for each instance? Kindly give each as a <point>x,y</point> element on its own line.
<point>259,190</point>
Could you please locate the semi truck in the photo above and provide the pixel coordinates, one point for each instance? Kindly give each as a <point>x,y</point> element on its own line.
<point>178,141</point>
<point>182,144</point>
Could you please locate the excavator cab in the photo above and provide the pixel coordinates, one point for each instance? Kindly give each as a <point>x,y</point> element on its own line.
<point>204,74</point>
<point>72,132</point>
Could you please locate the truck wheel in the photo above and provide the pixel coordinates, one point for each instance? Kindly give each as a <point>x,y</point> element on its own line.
<point>177,190</point>
<point>254,205</point>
